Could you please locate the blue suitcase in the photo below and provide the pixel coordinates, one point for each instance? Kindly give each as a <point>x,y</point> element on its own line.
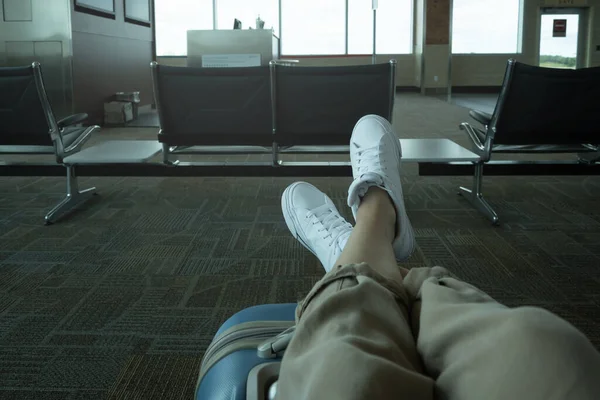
<point>242,362</point>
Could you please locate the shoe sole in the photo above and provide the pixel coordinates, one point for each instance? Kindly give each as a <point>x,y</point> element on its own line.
<point>397,245</point>
<point>290,217</point>
<point>410,233</point>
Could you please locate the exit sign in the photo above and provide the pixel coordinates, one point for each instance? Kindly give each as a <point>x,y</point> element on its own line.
<point>559,28</point>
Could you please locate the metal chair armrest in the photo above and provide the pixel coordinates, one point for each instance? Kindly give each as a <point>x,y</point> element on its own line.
<point>481,117</point>
<point>72,120</point>
<point>482,144</point>
<point>80,141</point>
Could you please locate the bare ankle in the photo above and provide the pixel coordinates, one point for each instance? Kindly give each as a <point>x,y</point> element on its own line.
<point>378,198</point>
<point>376,206</point>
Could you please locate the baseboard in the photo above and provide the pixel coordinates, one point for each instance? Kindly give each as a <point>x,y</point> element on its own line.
<point>436,91</point>
<point>476,89</point>
<point>455,89</point>
<point>407,89</point>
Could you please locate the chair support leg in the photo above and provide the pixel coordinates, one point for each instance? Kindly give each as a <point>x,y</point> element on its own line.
<point>475,196</point>
<point>167,155</point>
<point>275,155</point>
<point>72,200</point>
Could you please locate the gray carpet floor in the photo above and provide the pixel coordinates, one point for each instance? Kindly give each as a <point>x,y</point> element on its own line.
<point>120,300</point>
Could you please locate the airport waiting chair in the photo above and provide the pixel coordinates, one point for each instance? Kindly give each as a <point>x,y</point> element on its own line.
<point>316,108</point>
<point>281,109</point>
<point>28,126</point>
<point>212,110</point>
<point>540,110</point>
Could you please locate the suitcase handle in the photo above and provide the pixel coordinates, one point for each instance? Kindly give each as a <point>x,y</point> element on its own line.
<point>273,347</point>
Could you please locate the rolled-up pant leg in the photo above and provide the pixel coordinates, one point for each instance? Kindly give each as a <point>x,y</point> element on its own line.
<point>353,341</point>
<point>476,348</point>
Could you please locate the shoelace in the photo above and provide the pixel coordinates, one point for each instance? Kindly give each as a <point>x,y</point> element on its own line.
<point>332,223</point>
<point>369,157</point>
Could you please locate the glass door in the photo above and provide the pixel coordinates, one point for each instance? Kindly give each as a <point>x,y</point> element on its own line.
<point>561,38</point>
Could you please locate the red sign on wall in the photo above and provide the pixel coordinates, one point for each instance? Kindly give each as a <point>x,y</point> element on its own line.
<point>560,28</point>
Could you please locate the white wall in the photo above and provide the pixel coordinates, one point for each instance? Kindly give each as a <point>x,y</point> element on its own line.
<point>481,70</point>
<point>419,38</point>
<point>436,66</point>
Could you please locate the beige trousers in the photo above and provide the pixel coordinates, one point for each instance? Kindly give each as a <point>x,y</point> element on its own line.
<point>361,336</point>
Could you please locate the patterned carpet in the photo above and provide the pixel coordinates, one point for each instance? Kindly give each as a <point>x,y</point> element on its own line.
<point>120,300</point>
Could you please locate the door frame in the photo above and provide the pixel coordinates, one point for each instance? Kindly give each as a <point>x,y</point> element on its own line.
<point>583,31</point>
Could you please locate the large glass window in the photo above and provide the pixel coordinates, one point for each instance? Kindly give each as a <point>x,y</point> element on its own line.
<point>174,18</point>
<point>394,27</point>
<point>247,11</point>
<point>308,27</point>
<point>313,27</point>
<point>486,27</point>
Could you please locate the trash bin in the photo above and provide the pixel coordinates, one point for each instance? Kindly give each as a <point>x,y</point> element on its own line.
<point>131,97</point>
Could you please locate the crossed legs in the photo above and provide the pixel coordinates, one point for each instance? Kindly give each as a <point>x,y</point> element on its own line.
<point>366,331</point>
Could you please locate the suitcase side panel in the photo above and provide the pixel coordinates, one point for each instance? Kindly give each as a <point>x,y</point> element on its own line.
<point>226,380</point>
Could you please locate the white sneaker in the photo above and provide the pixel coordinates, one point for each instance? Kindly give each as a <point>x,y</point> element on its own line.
<point>314,220</point>
<point>375,152</point>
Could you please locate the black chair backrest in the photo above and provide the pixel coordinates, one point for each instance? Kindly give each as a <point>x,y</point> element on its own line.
<point>213,106</point>
<point>321,105</point>
<point>22,118</point>
<point>548,106</point>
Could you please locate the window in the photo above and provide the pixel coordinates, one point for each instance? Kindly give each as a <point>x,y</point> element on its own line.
<point>486,27</point>
<point>306,27</point>
<point>174,18</point>
<point>247,11</point>
<point>313,27</point>
<point>394,27</point>
<point>559,52</point>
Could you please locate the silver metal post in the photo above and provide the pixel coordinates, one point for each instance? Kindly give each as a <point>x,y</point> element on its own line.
<point>475,196</point>
<point>273,72</point>
<point>275,155</point>
<point>275,147</point>
<point>167,155</point>
<point>374,60</point>
<point>449,87</point>
<point>347,22</point>
<point>215,20</point>
<point>393,64</point>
